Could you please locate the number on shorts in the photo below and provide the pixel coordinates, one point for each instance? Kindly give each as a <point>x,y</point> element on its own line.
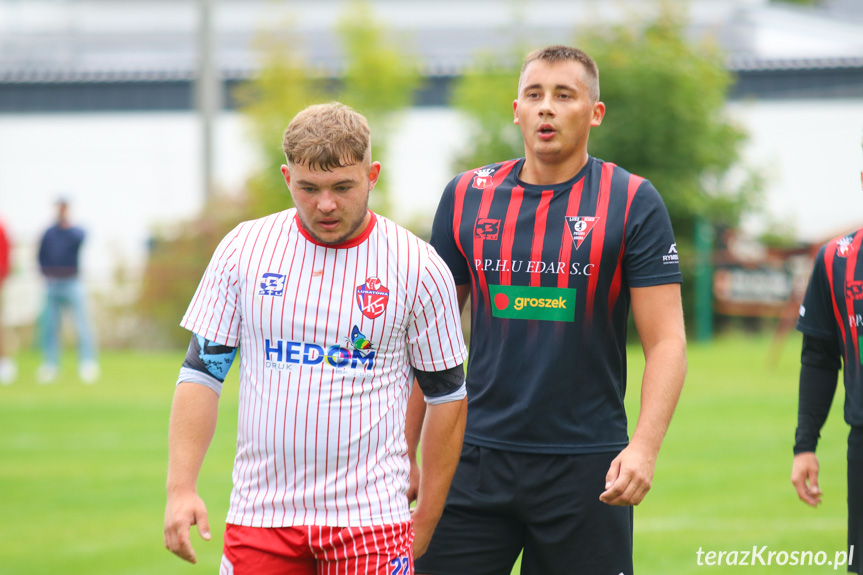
<point>401,566</point>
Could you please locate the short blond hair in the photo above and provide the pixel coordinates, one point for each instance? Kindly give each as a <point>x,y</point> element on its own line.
<point>328,136</point>
<point>566,54</point>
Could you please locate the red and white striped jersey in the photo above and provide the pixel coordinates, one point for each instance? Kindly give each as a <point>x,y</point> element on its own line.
<point>327,338</point>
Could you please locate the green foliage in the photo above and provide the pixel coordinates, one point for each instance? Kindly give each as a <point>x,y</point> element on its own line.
<point>665,100</point>
<point>485,94</point>
<point>177,260</point>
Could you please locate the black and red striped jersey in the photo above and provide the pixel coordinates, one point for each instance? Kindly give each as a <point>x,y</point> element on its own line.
<point>550,269</point>
<point>832,309</point>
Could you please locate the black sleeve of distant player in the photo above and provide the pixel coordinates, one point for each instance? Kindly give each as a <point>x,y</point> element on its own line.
<point>819,371</point>
<point>440,383</point>
<point>442,239</point>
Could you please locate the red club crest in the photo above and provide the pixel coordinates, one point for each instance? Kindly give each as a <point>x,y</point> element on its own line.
<point>482,178</point>
<point>372,297</point>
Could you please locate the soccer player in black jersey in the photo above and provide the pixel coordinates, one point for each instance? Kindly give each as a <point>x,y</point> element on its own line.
<point>831,319</point>
<point>553,250</point>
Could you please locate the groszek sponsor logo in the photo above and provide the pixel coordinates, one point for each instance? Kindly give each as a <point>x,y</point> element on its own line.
<point>525,302</point>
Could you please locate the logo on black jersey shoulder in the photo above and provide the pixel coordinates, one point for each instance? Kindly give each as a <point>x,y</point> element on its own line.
<point>486,229</point>
<point>854,289</point>
<point>272,284</point>
<point>843,247</point>
<point>671,257</point>
<point>372,297</point>
<point>579,227</point>
<point>482,178</point>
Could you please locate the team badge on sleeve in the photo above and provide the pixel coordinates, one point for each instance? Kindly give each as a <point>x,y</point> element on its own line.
<point>372,297</point>
<point>272,284</point>
<point>482,178</point>
<point>844,247</point>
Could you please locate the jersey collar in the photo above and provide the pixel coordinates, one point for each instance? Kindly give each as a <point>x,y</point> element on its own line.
<point>346,244</point>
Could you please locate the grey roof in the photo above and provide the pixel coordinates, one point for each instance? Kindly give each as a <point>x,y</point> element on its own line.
<point>136,40</point>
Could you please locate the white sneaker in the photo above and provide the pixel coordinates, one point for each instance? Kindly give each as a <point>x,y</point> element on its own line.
<point>8,370</point>
<point>89,372</point>
<point>46,373</point>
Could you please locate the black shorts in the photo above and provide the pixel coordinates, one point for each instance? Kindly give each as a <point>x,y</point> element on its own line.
<point>502,502</point>
<point>855,497</point>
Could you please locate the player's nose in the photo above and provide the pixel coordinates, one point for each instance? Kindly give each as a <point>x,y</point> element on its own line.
<point>326,202</point>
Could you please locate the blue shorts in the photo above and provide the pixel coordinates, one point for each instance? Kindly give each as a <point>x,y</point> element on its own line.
<point>502,502</point>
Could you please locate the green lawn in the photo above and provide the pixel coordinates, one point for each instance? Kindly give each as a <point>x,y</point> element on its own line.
<point>82,468</point>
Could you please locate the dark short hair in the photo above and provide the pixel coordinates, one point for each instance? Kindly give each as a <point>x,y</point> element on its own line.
<point>561,53</point>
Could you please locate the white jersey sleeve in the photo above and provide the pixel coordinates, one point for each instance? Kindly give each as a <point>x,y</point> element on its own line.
<point>435,340</point>
<point>214,312</point>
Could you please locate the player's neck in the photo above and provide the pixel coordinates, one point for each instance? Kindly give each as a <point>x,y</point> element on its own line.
<point>543,172</point>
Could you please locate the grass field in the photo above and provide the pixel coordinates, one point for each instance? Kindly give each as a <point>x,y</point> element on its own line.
<point>82,468</point>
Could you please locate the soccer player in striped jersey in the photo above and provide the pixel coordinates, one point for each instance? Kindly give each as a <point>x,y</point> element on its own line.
<point>335,310</point>
<point>831,319</point>
<point>553,249</point>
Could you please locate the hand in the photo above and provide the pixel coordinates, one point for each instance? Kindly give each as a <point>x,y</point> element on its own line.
<point>629,476</point>
<point>181,512</point>
<point>414,481</point>
<point>804,476</point>
<point>423,530</point>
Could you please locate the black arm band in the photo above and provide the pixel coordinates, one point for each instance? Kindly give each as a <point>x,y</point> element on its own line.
<point>438,383</point>
<point>819,371</point>
<point>209,358</point>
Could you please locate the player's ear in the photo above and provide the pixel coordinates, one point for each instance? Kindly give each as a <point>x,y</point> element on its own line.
<point>598,114</point>
<point>286,173</point>
<point>374,174</point>
<point>515,111</point>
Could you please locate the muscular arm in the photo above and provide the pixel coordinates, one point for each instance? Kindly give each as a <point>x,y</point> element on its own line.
<point>191,429</point>
<point>417,409</point>
<point>658,318</point>
<point>192,425</point>
<point>442,435</point>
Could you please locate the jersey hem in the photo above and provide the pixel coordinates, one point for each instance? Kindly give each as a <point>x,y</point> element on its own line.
<point>814,331</point>
<point>547,449</point>
<point>376,521</point>
<point>675,278</point>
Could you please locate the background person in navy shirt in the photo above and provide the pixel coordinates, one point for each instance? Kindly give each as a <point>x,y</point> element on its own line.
<point>58,261</point>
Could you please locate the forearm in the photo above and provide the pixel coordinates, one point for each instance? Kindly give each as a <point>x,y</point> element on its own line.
<point>442,435</point>
<point>664,373</point>
<point>192,424</point>
<point>819,373</point>
<point>414,420</point>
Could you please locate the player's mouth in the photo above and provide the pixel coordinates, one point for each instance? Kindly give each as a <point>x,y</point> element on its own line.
<point>328,224</point>
<point>546,131</point>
